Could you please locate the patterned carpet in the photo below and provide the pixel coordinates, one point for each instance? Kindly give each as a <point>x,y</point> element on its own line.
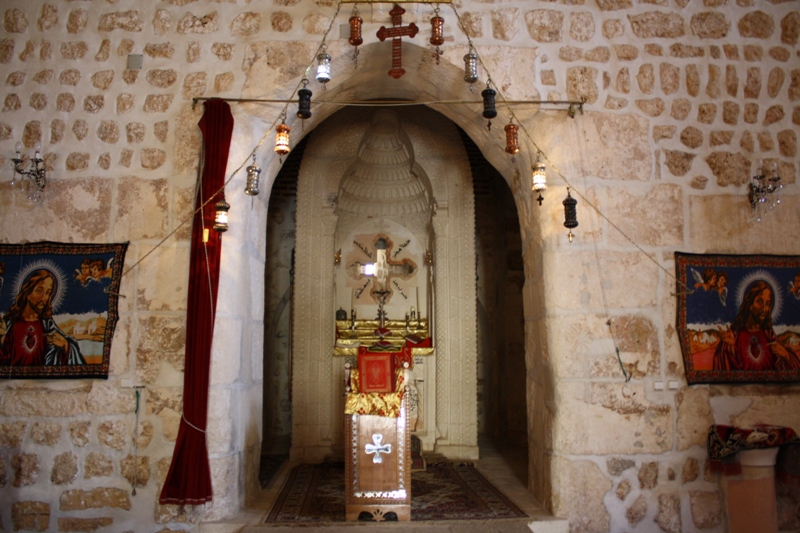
<point>444,491</point>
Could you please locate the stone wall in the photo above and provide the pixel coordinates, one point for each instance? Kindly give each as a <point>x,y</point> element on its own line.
<point>681,96</point>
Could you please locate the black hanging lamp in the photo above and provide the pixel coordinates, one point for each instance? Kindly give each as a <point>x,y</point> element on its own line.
<point>570,214</point>
<point>489,110</point>
<point>304,101</point>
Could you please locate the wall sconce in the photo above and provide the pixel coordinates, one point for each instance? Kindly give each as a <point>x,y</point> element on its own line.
<point>323,67</point>
<point>34,178</point>
<point>253,175</point>
<point>221,216</point>
<point>762,186</point>
<point>539,178</point>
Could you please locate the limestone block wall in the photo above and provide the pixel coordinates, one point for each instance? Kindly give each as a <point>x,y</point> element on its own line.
<point>682,96</point>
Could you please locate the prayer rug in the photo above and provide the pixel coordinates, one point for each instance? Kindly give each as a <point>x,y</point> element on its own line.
<point>444,491</point>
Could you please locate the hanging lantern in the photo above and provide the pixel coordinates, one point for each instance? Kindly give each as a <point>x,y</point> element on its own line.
<point>323,67</point>
<point>570,214</point>
<point>253,175</point>
<point>304,101</point>
<point>221,216</point>
<point>539,179</point>
<point>512,140</point>
<point>488,105</point>
<point>355,29</point>
<point>282,139</point>
<point>437,29</point>
<point>471,70</point>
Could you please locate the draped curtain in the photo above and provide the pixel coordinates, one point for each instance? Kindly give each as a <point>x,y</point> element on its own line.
<point>189,477</point>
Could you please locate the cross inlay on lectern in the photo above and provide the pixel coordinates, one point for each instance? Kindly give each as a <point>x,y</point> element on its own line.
<point>377,448</point>
<point>396,32</point>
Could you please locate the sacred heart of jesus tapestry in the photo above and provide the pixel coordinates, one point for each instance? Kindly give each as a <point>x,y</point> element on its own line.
<point>58,304</point>
<point>739,317</point>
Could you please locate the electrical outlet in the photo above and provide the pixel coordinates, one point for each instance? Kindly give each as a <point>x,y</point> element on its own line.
<point>658,385</point>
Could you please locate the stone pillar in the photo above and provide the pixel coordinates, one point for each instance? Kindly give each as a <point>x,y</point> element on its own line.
<point>751,495</point>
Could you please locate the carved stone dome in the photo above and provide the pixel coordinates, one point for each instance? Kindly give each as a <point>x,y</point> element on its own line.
<point>382,181</point>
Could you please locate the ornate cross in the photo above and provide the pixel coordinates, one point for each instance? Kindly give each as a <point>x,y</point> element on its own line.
<point>377,448</point>
<point>396,32</point>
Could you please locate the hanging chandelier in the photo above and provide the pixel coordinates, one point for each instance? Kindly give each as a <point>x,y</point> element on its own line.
<point>765,189</point>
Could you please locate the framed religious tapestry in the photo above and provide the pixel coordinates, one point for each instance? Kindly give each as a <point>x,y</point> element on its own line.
<point>58,304</point>
<point>739,317</point>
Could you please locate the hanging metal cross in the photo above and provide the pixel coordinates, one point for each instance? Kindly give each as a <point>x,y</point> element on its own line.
<point>377,448</point>
<point>396,32</point>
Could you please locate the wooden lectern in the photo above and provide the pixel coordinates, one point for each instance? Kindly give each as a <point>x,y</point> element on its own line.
<point>378,441</point>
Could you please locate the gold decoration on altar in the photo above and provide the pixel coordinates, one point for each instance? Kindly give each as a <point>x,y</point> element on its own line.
<point>355,333</point>
<point>375,403</point>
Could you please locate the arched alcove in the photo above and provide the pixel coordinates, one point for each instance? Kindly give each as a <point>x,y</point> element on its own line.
<point>424,81</point>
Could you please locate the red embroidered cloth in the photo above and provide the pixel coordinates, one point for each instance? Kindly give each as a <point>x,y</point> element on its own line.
<point>725,441</point>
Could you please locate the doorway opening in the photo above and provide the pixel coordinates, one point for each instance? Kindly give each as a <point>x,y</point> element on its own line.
<point>502,405</point>
<point>279,281</point>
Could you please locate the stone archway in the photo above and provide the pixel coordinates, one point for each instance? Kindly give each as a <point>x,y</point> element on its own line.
<point>424,81</point>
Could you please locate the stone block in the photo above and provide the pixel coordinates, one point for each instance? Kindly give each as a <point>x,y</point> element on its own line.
<point>167,292</point>
<point>787,143</point>
<point>724,225</point>
<point>39,401</point>
<point>706,113</point>
<point>97,498</point>
<point>730,113</point>
<point>646,78</point>
<point>134,132</point>
<point>42,77</point>
<point>106,398</point>
<point>790,28</point>
<point>12,433</point>
<point>617,146</point>
<point>125,102</point>
<point>585,416</point>
<point>142,210</point>
<point>11,103</point>
<point>102,80</point>
<point>38,101</point>
<point>74,50</point>
<point>670,77</point>
<point>656,24</point>
<point>162,342</point>
<point>581,26</point>
<point>757,25</point>
<point>45,433</point>
<point>76,21</point>
<point>718,138</point>
<point>32,134</point>
<point>775,81</point>
<point>681,107</point>
<point>706,509</point>
<point>48,17</point>
<point>162,22</point>
<point>97,464</point>
<point>30,516</point>
<point>15,21</point>
<point>623,489</point>
<point>26,469</point>
<point>223,82</point>
<point>729,168</point>
<point>794,85</point>
<point>246,24</point>
<point>65,469</point>
<point>112,434</point>
<point>664,132</point>
<point>505,23</point>
<point>152,158</point>
<point>281,21</point>
<point>545,25</point>
<point>601,54</point>
<point>578,491</point>
<point>141,475</point>
<point>121,20</point>
<point>161,130</point>
<point>669,513</point>
<point>617,465</point>
<point>637,511</point>
<point>191,23</point>
<point>752,86</point>
<point>194,84</point>
<point>570,53</point>
<point>57,127</point>
<point>88,525</point>
<point>193,52</point>
<point>272,63</point>
<point>691,469</point>
<point>79,432</point>
<point>161,78</point>
<point>710,25</point>
<point>6,50</point>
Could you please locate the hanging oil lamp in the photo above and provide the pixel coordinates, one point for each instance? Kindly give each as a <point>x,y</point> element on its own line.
<point>304,101</point>
<point>570,214</point>
<point>221,216</point>
<point>512,139</point>
<point>282,138</point>
<point>437,33</point>
<point>355,33</point>
<point>323,67</point>
<point>253,175</point>
<point>538,178</point>
<point>471,67</point>
<point>489,111</point>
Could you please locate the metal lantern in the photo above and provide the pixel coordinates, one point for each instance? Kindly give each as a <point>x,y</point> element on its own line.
<point>512,140</point>
<point>253,175</point>
<point>282,139</point>
<point>355,29</point>
<point>304,101</point>
<point>570,214</point>
<point>437,30</point>
<point>323,67</point>
<point>539,179</point>
<point>221,216</point>
<point>488,95</point>
<point>471,71</point>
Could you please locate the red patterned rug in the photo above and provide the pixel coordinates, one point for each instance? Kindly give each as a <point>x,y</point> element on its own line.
<point>444,491</point>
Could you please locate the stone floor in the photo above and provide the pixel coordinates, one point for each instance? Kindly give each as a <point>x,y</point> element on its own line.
<point>506,469</point>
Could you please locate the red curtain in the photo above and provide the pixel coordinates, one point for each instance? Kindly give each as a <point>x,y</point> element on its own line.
<point>189,477</point>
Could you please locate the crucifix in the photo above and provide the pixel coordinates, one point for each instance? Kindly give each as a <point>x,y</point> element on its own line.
<point>378,448</point>
<point>396,32</point>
